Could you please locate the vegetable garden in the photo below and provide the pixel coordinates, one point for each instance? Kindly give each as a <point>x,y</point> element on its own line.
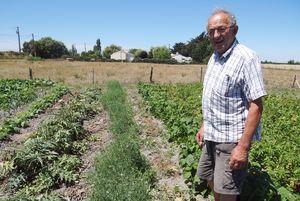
<point>50,156</point>
<point>274,162</point>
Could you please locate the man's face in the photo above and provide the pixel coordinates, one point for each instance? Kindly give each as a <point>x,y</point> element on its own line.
<point>220,33</point>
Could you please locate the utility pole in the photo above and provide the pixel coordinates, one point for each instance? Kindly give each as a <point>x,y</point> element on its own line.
<point>33,45</point>
<point>84,47</point>
<point>18,32</point>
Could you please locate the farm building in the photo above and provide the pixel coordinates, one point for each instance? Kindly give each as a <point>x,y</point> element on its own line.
<point>122,55</point>
<point>180,58</point>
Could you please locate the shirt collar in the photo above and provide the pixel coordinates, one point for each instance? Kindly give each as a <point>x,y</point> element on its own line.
<point>225,54</point>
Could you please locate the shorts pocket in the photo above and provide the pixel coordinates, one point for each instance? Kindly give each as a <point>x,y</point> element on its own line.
<point>233,179</point>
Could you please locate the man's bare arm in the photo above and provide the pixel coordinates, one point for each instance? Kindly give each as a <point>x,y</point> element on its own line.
<point>239,156</point>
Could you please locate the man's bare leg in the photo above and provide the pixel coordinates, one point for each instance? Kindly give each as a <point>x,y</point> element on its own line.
<point>216,195</point>
<point>227,197</point>
<point>221,197</point>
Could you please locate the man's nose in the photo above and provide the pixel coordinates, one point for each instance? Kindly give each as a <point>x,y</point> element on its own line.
<point>216,34</point>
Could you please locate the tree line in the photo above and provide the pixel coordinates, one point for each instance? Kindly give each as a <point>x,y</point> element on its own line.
<point>198,48</point>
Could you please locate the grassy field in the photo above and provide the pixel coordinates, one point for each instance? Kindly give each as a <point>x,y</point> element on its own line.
<point>78,73</point>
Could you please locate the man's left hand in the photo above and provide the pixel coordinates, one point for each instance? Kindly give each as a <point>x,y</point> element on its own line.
<point>239,158</point>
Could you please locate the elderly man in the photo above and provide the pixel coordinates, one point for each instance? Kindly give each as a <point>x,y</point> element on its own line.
<point>232,108</point>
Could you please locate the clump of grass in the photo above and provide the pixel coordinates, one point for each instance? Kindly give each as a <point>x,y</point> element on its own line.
<point>121,172</point>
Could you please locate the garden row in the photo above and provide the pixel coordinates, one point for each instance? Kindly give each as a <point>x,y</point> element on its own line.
<point>50,157</point>
<point>12,124</point>
<point>274,171</point>
<point>16,92</point>
<point>121,171</point>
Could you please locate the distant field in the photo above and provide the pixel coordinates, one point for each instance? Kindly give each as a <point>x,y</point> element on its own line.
<point>78,73</point>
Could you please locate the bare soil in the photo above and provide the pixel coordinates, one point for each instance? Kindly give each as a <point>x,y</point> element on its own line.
<point>162,155</point>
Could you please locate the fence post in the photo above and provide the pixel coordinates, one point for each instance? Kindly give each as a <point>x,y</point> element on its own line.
<point>151,74</point>
<point>295,78</point>
<point>93,76</point>
<point>30,73</point>
<point>201,80</point>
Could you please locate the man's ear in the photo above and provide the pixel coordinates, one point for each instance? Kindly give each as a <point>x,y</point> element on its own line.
<point>235,29</point>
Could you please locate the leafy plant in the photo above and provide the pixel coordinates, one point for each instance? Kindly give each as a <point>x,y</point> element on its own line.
<point>275,161</point>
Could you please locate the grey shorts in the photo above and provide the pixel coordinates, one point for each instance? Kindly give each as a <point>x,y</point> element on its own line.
<point>214,166</point>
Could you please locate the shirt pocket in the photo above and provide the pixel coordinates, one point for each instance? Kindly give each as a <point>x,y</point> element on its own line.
<point>225,104</point>
<point>227,87</point>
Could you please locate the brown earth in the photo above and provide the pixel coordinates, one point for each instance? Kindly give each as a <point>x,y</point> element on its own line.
<point>162,155</point>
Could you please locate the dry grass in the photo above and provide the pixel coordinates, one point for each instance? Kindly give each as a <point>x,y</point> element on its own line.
<point>81,73</point>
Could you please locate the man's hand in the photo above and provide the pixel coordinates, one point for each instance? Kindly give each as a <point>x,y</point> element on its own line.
<point>199,137</point>
<point>239,158</point>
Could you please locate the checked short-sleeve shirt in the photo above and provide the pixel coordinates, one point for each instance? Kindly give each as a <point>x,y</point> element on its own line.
<point>231,81</point>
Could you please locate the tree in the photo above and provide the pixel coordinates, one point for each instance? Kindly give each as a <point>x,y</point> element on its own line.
<point>199,48</point>
<point>139,53</point>
<point>73,52</point>
<point>46,48</point>
<point>109,50</point>
<point>142,54</point>
<point>180,48</point>
<point>161,53</point>
<point>150,54</point>
<point>133,51</point>
<point>202,51</point>
<point>97,48</point>
<point>28,47</point>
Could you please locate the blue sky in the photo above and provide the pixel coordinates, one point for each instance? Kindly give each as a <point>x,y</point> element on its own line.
<point>271,28</point>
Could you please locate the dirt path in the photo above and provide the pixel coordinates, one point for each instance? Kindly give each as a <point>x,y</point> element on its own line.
<point>163,156</point>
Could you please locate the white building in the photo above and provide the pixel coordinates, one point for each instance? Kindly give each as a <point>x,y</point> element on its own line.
<point>181,59</point>
<point>122,55</point>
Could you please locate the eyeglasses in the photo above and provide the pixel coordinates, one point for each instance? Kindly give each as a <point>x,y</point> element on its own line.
<point>220,30</point>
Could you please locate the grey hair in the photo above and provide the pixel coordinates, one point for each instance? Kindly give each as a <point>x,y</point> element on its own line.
<point>232,18</point>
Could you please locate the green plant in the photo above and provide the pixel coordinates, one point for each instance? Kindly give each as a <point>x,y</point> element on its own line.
<point>275,161</point>
<point>51,155</point>
<point>121,172</point>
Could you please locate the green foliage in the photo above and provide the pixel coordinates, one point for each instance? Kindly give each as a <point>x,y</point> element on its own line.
<point>119,112</point>
<point>73,52</point>
<point>142,54</point>
<point>274,160</point>
<point>278,152</point>
<point>139,53</point>
<point>109,50</point>
<point>199,48</point>
<point>46,48</point>
<point>13,124</point>
<point>121,172</point>
<point>133,50</point>
<point>161,53</point>
<point>293,62</point>
<point>87,56</point>
<point>97,48</point>
<point>14,92</point>
<point>51,155</point>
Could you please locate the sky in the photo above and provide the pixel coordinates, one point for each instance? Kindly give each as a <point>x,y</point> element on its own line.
<point>269,27</point>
